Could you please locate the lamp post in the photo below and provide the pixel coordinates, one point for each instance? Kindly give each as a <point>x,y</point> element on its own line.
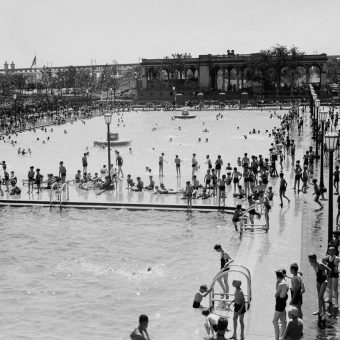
<point>87,98</point>
<point>108,118</point>
<point>317,105</point>
<point>314,98</point>
<point>174,92</point>
<point>331,142</point>
<point>15,106</point>
<point>323,117</point>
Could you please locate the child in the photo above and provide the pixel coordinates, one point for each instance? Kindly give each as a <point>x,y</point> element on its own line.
<point>239,308</point>
<point>294,328</point>
<point>237,214</point>
<point>130,182</point>
<point>203,292</point>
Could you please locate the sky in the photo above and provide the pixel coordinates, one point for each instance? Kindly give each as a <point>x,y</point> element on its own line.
<point>83,32</point>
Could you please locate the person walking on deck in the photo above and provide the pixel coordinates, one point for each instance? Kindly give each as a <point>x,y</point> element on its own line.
<point>283,188</point>
<point>119,163</point>
<point>317,193</point>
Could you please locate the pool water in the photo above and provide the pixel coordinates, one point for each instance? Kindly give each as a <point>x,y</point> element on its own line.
<point>83,274</point>
<point>226,137</point>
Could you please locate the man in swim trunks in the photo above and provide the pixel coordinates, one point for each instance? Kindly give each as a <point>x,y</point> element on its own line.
<point>236,178</point>
<point>297,288</point>
<point>119,163</point>
<point>62,172</point>
<point>178,166</point>
<point>239,308</point>
<point>322,272</point>
<point>332,261</point>
<point>30,179</point>
<point>218,166</point>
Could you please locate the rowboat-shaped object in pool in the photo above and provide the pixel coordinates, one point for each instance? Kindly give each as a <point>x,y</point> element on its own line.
<point>114,141</point>
<point>185,115</point>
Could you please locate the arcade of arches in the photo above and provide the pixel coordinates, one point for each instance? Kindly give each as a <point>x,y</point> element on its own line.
<point>210,74</point>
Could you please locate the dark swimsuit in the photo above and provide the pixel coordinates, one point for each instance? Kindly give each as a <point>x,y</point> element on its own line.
<point>321,276</point>
<point>237,308</point>
<point>298,295</point>
<point>331,266</point>
<point>281,303</point>
<point>196,304</point>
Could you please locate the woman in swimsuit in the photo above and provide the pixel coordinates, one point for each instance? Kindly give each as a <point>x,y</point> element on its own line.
<point>322,272</point>
<point>281,297</point>
<point>332,262</point>
<point>225,261</point>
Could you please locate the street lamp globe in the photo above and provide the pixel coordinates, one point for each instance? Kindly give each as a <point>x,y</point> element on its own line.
<point>323,115</point>
<point>108,118</point>
<point>317,103</point>
<point>331,139</point>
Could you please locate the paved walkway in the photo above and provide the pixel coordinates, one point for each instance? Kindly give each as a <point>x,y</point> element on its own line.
<point>296,230</point>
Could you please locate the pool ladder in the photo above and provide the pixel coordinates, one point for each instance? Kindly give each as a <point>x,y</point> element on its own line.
<point>63,194</point>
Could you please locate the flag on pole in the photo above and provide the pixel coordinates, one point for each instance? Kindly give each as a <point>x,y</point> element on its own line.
<point>34,62</point>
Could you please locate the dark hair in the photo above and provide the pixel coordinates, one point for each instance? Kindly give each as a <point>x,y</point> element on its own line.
<point>279,274</point>
<point>217,246</point>
<point>294,267</point>
<point>222,324</point>
<point>205,312</point>
<point>312,256</point>
<point>143,318</point>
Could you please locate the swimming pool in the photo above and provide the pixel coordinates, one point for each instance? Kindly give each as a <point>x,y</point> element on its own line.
<point>84,273</point>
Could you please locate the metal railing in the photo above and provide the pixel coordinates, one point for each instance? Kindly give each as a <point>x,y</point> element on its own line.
<point>63,194</point>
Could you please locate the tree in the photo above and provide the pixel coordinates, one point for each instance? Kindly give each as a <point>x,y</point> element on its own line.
<point>110,79</point>
<point>47,78</point>
<point>333,69</point>
<point>71,77</point>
